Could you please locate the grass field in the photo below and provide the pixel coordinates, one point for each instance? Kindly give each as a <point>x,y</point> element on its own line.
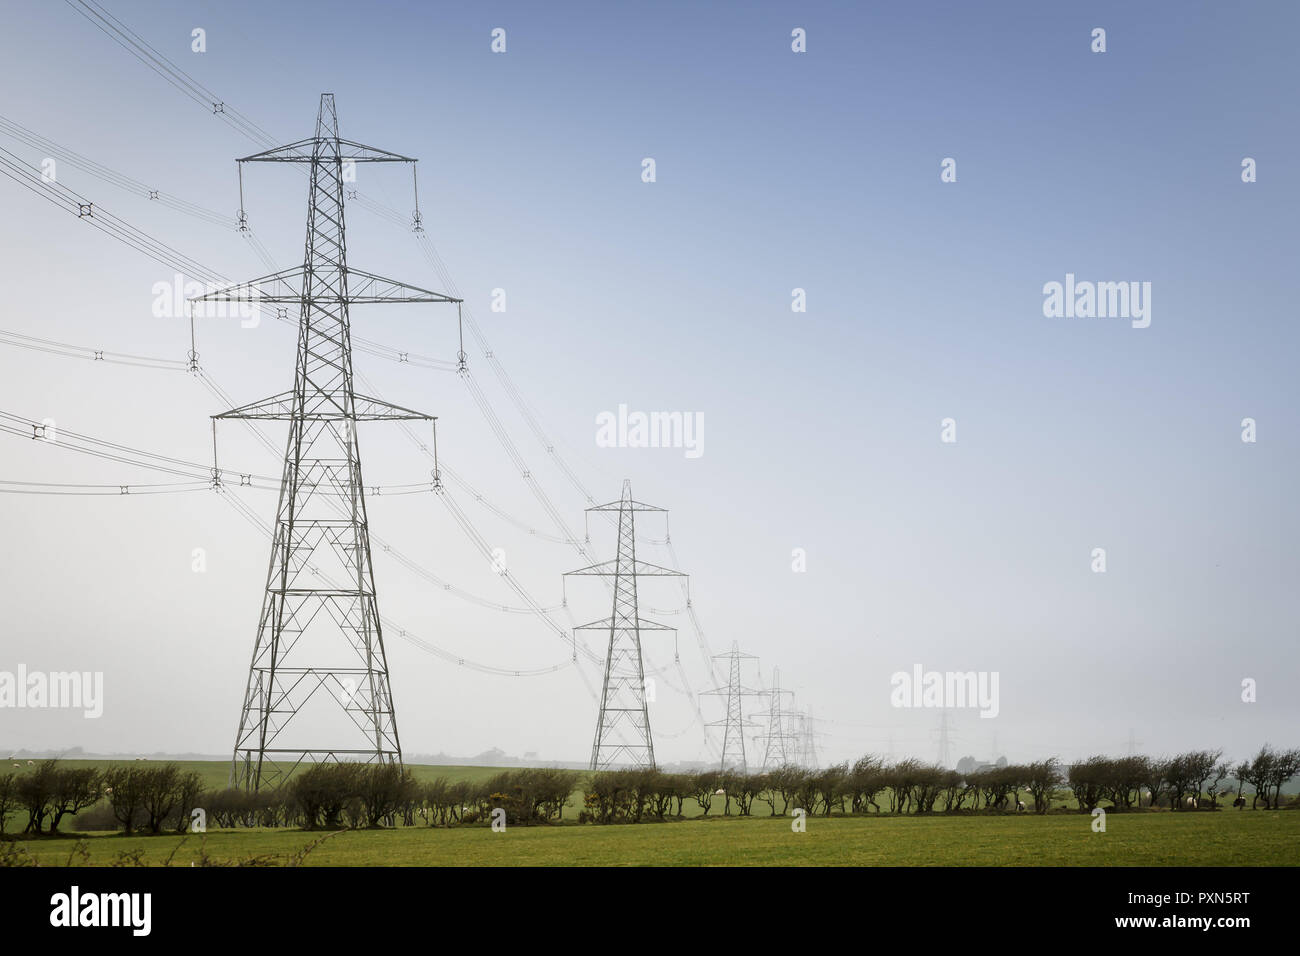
<point>1227,837</point>
<point>1136,839</point>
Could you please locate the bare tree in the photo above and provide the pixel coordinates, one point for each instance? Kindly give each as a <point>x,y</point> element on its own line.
<point>1259,774</point>
<point>1154,776</point>
<point>1286,764</point>
<point>36,792</point>
<point>75,788</point>
<point>9,800</point>
<point>703,785</point>
<point>1214,785</point>
<point>1041,779</point>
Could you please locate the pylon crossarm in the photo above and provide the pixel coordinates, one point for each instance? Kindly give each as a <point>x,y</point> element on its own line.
<point>639,568</point>
<point>365,288</point>
<point>366,409</point>
<point>641,623</point>
<point>286,287</point>
<point>304,151</point>
<point>376,409</point>
<point>277,406</point>
<point>282,286</point>
<point>626,506</point>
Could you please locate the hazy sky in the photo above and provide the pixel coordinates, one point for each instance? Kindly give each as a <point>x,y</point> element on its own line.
<point>775,170</point>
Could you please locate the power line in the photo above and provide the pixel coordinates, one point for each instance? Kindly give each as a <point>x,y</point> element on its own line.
<point>18,340</point>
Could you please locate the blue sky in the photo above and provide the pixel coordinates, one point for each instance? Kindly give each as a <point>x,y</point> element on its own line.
<point>775,170</point>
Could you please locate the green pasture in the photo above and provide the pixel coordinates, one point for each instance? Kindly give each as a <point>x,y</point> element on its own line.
<point>1147,838</point>
<point>1134,839</point>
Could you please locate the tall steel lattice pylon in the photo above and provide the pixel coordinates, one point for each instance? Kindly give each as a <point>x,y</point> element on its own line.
<point>734,724</point>
<point>945,747</point>
<point>623,737</point>
<point>779,744</point>
<point>318,685</point>
<point>805,735</point>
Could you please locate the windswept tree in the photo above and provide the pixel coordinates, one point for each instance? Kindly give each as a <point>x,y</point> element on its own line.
<point>383,789</point>
<point>9,800</point>
<point>641,786</point>
<point>1180,775</point>
<point>36,793</point>
<point>900,778</point>
<point>1087,780</point>
<point>661,795</point>
<point>1286,764</point>
<point>190,794</point>
<point>806,795</point>
<point>74,789</point>
<point>729,783</point>
<point>783,784</point>
<point>324,792</point>
<point>607,798</point>
<point>746,787</point>
<point>1125,787</point>
<point>704,785</point>
<point>1259,773</point>
<point>160,794</point>
<point>953,788</point>
<point>865,781</point>
<point>1041,779</point>
<point>1214,782</point>
<point>1155,777</point>
<point>1201,766</point>
<point>998,784</point>
<point>829,784</point>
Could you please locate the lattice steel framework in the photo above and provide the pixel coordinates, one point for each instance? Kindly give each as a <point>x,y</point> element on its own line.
<point>318,686</point>
<point>780,745</point>
<point>807,735</point>
<point>623,736</point>
<point>734,723</point>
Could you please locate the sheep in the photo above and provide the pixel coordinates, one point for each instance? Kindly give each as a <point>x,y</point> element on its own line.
<point>1191,803</point>
<point>1239,802</point>
<point>1020,806</point>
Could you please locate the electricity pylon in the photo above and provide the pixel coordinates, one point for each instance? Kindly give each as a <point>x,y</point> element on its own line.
<point>623,725</point>
<point>318,686</point>
<point>780,745</point>
<point>734,723</point>
<point>945,747</point>
<point>807,737</point>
